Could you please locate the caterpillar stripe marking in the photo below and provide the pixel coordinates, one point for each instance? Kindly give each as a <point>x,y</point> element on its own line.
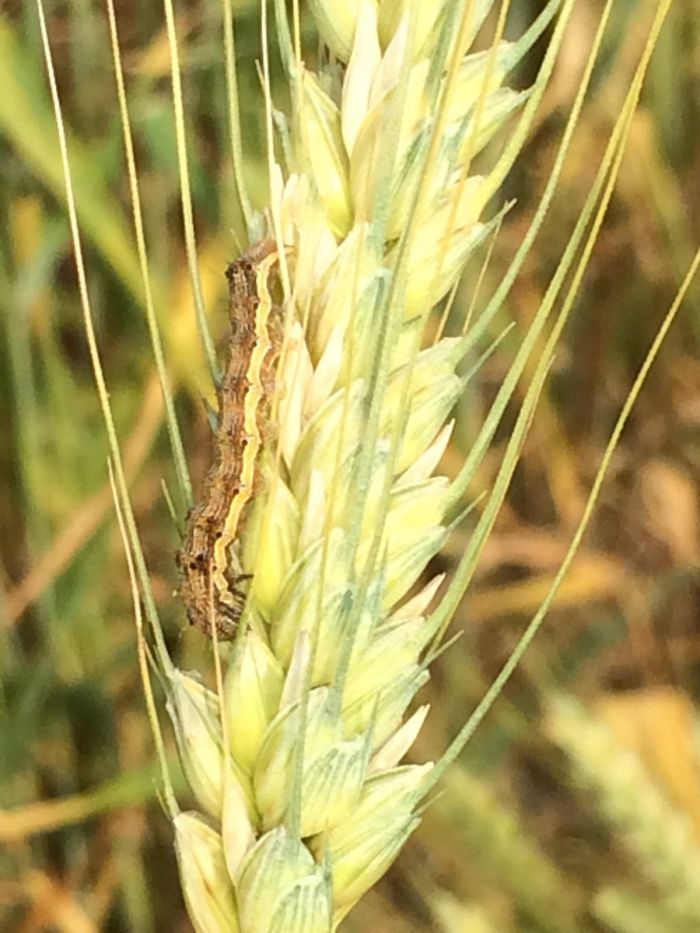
<point>208,579</point>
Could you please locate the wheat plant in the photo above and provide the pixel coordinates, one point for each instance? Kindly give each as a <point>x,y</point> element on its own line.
<point>298,761</point>
<point>663,841</point>
<point>297,765</point>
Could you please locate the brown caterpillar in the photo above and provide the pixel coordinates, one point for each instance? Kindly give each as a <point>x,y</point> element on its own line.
<point>244,401</point>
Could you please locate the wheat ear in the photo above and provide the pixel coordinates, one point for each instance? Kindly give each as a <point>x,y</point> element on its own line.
<point>296,763</point>
<point>653,829</point>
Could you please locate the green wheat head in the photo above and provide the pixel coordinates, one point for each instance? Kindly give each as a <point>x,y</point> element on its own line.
<point>647,822</point>
<point>297,767</point>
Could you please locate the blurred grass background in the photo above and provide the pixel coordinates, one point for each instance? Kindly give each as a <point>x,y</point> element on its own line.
<point>582,787</point>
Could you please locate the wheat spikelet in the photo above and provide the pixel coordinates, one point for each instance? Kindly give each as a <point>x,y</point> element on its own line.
<point>296,766</point>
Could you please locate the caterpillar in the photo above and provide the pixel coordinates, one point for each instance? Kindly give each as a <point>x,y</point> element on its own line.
<point>208,582</point>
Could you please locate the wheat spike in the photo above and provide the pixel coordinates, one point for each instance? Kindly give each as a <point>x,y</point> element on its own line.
<point>653,829</point>
<point>296,767</point>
